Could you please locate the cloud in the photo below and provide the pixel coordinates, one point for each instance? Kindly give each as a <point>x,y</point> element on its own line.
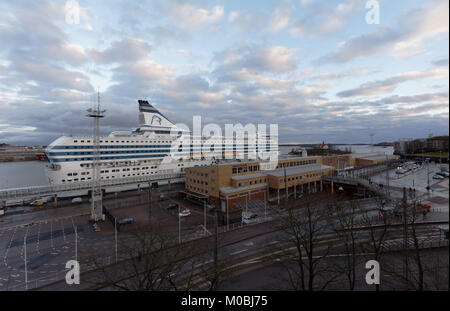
<point>126,50</point>
<point>441,62</point>
<point>190,17</point>
<point>280,18</point>
<point>388,85</point>
<point>319,19</point>
<point>415,26</point>
<point>355,72</point>
<point>277,59</point>
<point>248,22</point>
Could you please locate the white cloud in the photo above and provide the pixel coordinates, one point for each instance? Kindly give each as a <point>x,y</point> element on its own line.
<point>191,17</point>
<point>280,18</point>
<point>406,40</point>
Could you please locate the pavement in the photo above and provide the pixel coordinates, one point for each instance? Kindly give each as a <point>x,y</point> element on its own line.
<point>438,196</point>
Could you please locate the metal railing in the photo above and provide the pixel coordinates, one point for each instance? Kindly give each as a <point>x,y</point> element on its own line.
<point>60,189</point>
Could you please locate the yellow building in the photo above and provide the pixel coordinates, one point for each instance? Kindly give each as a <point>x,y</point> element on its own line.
<point>229,182</point>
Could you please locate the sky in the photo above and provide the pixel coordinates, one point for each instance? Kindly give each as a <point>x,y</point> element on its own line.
<point>321,70</point>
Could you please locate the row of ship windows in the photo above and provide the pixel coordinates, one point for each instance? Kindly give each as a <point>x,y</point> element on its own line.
<point>109,177</point>
<point>116,170</point>
<point>123,141</point>
<point>138,146</point>
<point>111,146</point>
<point>107,152</point>
<point>123,152</point>
<point>109,158</point>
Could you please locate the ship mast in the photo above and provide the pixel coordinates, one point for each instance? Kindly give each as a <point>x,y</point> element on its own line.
<point>96,200</point>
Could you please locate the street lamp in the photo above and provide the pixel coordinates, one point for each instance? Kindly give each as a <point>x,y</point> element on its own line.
<point>204,215</point>
<point>179,225</point>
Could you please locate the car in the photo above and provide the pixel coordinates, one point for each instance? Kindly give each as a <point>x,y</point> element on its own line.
<point>125,221</point>
<point>96,228</point>
<point>172,206</point>
<point>248,216</point>
<point>184,213</point>
<point>77,200</point>
<point>438,176</point>
<point>37,203</point>
<point>423,206</point>
<point>442,173</point>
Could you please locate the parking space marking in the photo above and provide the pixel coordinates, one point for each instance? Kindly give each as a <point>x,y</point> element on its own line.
<point>238,252</point>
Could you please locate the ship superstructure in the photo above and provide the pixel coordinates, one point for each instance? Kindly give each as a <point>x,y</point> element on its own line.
<point>144,151</point>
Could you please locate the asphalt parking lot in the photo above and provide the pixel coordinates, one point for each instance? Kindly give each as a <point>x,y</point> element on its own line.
<point>49,245</point>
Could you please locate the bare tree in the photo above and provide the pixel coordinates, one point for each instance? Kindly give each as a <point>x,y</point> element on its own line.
<point>304,229</point>
<point>422,268</point>
<point>377,227</point>
<point>150,260</point>
<point>343,219</point>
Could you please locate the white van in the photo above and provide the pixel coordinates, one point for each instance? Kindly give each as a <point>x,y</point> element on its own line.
<point>77,200</point>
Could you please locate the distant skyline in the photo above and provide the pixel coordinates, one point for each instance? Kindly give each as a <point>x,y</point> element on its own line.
<point>316,68</point>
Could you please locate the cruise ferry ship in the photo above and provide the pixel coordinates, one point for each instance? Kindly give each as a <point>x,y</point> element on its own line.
<point>144,151</point>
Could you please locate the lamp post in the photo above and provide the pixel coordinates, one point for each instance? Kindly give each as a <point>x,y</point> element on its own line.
<point>76,243</point>
<point>115,235</point>
<point>204,215</point>
<point>179,225</point>
<point>25,259</point>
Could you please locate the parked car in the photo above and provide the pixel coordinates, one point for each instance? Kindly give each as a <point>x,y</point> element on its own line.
<point>125,221</point>
<point>172,206</point>
<point>247,217</point>
<point>436,176</point>
<point>423,206</point>
<point>444,174</point>
<point>184,213</point>
<point>77,200</point>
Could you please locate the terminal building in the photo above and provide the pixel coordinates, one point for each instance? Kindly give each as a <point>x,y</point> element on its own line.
<point>227,184</point>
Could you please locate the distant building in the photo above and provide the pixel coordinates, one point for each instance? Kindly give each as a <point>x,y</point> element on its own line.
<point>410,146</point>
<point>437,143</point>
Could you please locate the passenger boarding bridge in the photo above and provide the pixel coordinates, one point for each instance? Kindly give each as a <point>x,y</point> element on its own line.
<point>84,188</point>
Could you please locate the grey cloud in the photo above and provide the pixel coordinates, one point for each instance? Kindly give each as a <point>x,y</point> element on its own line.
<point>441,62</point>
<point>389,84</point>
<point>124,51</point>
